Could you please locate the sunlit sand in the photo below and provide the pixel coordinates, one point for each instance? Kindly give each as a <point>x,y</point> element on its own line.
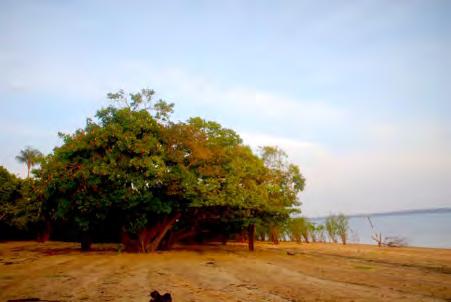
<point>313,272</point>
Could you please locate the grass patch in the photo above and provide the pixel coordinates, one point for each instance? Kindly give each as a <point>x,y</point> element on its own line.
<point>363,267</point>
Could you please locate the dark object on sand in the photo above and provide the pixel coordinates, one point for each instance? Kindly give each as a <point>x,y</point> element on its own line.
<point>156,297</point>
<point>290,253</point>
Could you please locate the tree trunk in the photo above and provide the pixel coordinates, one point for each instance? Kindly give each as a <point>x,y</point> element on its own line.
<point>129,244</point>
<point>150,238</point>
<point>44,234</point>
<point>85,241</point>
<point>343,240</point>
<point>144,236</point>
<point>167,241</point>
<point>224,239</point>
<point>251,236</point>
<point>274,235</point>
<point>174,237</point>
<point>165,226</point>
<point>242,236</point>
<point>142,241</point>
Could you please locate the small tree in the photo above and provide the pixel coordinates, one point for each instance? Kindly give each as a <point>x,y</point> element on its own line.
<point>342,225</point>
<point>262,231</point>
<point>331,228</point>
<point>337,226</point>
<point>320,232</point>
<point>299,229</point>
<point>30,157</point>
<point>312,231</point>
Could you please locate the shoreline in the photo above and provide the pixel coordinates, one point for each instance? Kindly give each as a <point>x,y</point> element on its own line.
<point>268,244</point>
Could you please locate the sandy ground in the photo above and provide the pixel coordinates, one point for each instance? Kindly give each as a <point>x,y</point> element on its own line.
<point>316,272</point>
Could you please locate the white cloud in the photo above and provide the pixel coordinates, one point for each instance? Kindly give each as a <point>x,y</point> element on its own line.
<point>207,95</point>
<point>82,82</point>
<point>383,178</point>
<point>304,153</point>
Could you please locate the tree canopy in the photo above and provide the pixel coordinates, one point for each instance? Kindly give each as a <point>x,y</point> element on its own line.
<point>155,179</point>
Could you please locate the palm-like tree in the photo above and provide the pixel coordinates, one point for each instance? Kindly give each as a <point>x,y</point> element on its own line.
<point>30,157</point>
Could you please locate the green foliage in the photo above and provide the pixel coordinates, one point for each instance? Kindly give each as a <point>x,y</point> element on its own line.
<point>132,166</point>
<point>331,228</point>
<point>319,232</point>
<point>130,163</point>
<point>283,182</point>
<point>19,206</point>
<point>28,208</point>
<point>9,193</point>
<point>342,225</point>
<point>337,226</point>
<point>115,164</point>
<point>143,100</point>
<point>300,229</point>
<point>262,230</point>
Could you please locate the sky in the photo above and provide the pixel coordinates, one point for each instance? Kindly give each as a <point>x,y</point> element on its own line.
<point>358,93</point>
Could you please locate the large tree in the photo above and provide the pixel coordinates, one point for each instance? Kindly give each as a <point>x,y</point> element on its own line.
<point>158,179</point>
<point>114,165</point>
<point>230,180</point>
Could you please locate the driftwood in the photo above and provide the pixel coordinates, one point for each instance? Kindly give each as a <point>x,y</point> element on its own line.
<point>390,241</point>
<point>395,241</point>
<point>378,238</point>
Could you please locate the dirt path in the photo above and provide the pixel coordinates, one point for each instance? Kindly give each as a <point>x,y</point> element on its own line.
<point>316,272</point>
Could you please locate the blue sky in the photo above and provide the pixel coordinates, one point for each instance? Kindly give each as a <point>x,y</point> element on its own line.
<point>357,92</point>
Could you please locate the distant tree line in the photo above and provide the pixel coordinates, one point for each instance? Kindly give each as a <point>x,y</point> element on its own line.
<point>132,175</point>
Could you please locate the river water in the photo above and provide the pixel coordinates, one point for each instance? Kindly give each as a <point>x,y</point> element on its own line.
<point>419,229</point>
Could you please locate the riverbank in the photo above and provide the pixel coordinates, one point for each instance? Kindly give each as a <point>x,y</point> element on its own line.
<point>309,272</point>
